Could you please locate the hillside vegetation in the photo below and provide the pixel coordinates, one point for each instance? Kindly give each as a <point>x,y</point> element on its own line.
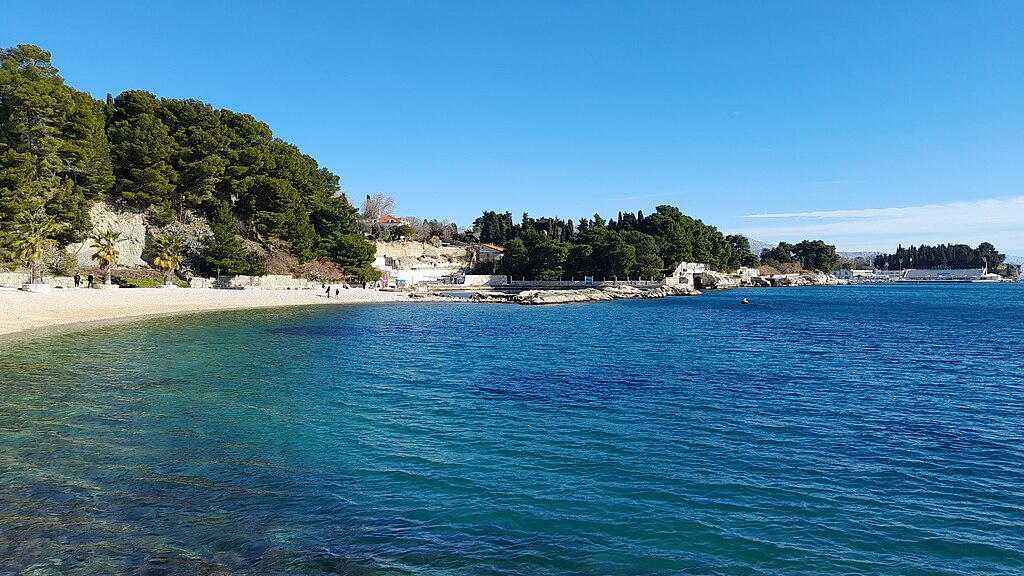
<point>61,151</point>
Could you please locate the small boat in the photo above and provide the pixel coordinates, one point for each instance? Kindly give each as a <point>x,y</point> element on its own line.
<point>744,301</point>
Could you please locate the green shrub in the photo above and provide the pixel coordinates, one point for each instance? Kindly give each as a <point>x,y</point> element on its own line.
<point>144,281</point>
<point>63,264</point>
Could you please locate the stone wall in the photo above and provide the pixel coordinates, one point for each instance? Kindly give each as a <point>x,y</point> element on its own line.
<point>271,282</point>
<point>485,280</point>
<point>19,278</point>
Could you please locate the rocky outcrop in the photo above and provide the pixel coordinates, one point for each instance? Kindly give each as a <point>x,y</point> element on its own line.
<point>718,281</point>
<point>409,255</point>
<point>677,290</point>
<point>807,278</point>
<point>134,237</point>
<point>537,297</point>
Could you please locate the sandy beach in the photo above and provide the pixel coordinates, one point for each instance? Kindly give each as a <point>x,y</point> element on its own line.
<point>23,312</point>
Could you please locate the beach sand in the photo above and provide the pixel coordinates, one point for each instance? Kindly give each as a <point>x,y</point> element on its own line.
<point>26,312</point>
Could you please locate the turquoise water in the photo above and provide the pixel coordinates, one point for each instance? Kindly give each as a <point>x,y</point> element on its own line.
<point>851,430</point>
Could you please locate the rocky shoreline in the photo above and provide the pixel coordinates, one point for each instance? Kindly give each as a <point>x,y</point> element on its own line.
<point>719,281</point>
<point>607,294</point>
<point>708,281</point>
<point>30,311</point>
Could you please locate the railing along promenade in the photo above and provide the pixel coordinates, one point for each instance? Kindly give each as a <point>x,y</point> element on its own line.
<point>583,283</point>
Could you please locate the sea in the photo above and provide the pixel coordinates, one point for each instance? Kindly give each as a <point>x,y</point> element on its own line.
<point>870,429</point>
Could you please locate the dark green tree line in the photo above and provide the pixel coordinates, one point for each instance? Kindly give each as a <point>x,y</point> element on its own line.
<point>942,256</point>
<point>809,254</point>
<point>631,245</point>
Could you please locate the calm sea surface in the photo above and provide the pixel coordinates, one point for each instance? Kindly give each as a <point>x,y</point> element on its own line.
<point>850,430</point>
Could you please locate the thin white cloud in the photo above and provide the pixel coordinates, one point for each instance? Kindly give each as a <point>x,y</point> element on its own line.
<point>833,182</point>
<point>647,196</point>
<point>1000,221</point>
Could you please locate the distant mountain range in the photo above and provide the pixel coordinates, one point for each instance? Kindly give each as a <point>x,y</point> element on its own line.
<point>869,256</point>
<point>756,245</point>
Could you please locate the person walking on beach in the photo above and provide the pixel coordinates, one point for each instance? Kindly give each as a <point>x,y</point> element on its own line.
<point>328,292</point>
<point>336,291</point>
<point>90,279</point>
<point>78,280</point>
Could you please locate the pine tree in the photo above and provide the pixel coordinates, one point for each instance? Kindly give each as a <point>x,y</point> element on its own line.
<point>141,147</point>
<point>224,251</point>
<point>199,155</point>
<point>53,151</point>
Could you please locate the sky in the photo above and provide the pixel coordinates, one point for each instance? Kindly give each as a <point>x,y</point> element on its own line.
<point>865,124</point>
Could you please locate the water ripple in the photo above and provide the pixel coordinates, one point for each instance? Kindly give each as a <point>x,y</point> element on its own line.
<point>874,429</point>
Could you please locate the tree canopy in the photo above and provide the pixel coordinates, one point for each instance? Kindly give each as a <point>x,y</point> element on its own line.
<point>809,254</point>
<point>630,245</point>
<point>61,150</point>
<point>942,256</point>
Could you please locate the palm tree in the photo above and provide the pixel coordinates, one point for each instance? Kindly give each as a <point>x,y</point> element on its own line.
<point>167,255</point>
<point>106,251</point>
<point>33,234</point>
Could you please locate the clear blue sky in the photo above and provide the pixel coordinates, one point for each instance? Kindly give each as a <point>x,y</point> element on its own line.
<point>725,109</point>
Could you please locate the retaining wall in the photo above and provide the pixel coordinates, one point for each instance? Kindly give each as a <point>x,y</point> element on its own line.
<point>270,282</point>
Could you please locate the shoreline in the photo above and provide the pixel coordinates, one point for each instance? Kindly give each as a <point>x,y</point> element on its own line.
<point>34,315</point>
<point>29,315</point>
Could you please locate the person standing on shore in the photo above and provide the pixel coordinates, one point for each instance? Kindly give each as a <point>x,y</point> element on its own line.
<point>328,292</point>
<point>90,279</point>
<point>78,280</point>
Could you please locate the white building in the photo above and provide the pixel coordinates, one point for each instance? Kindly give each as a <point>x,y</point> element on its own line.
<point>488,253</point>
<point>854,275</point>
<point>947,275</point>
<point>688,268</point>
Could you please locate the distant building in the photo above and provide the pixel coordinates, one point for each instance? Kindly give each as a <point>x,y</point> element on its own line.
<point>918,275</point>
<point>854,275</point>
<point>687,268</point>
<point>488,253</point>
<point>385,221</point>
<point>947,275</point>
<point>890,274</point>
<point>747,272</point>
